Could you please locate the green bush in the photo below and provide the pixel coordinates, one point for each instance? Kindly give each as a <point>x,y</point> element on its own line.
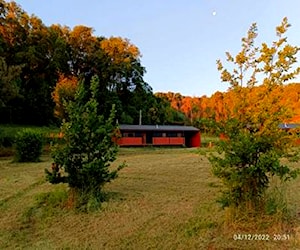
<point>29,145</point>
<point>247,161</point>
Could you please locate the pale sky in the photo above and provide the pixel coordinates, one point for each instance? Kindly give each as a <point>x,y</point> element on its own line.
<point>180,40</point>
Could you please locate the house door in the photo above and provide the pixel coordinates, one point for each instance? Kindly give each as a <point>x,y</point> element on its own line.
<point>149,138</point>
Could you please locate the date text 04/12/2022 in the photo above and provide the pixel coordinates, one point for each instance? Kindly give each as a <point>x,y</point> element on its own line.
<point>266,237</point>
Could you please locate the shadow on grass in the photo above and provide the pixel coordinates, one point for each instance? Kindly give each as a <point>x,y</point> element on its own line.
<point>62,200</point>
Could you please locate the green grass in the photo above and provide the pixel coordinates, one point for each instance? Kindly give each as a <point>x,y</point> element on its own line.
<point>164,199</point>
<point>209,140</point>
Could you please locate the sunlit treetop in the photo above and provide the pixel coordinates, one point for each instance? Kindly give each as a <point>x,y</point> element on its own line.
<point>120,50</point>
<point>274,64</point>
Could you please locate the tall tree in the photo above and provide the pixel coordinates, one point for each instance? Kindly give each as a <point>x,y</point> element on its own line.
<point>40,50</point>
<point>9,82</point>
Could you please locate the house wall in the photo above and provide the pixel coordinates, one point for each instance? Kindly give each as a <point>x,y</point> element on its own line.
<point>160,140</point>
<point>130,141</point>
<point>177,140</point>
<point>168,141</point>
<point>195,140</point>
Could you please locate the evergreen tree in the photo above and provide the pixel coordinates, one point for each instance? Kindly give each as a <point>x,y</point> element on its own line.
<point>88,148</point>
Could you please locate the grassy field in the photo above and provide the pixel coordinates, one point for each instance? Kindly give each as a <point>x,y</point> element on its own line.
<point>164,199</point>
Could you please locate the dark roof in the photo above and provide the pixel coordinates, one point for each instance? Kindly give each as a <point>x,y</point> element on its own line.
<point>289,125</point>
<point>158,128</point>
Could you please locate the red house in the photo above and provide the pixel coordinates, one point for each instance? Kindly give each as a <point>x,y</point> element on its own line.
<point>159,135</point>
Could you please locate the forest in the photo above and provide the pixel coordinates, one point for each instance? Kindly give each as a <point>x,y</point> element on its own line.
<point>40,67</point>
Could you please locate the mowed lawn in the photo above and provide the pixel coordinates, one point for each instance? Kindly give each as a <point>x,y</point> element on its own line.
<point>163,199</point>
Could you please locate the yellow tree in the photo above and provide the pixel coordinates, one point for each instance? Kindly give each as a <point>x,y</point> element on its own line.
<point>272,66</point>
<point>120,50</point>
<point>256,143</point>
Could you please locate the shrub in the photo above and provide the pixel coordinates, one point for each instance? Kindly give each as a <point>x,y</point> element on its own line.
<point>246,164</point>
<point>29,145</point>
<point>6,139</point>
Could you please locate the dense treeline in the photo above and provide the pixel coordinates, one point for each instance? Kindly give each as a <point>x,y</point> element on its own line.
<point>205,111</point>
<point>34,58</point>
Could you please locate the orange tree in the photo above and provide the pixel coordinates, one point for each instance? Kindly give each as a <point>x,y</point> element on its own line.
<point>64,92</point>
<point>255,145</point>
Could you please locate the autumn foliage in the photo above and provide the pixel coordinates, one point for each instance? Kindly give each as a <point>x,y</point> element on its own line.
<point>120,50</point>
<point>220,106</point>
<point>64,91</point>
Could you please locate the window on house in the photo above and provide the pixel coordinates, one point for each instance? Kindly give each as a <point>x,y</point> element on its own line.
<point>172,134</point>
<point>138,134</point>
<point>126,134</point>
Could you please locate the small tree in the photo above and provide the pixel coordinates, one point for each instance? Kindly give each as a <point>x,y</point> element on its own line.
<point>255,144</point>
<point>83,160</point>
